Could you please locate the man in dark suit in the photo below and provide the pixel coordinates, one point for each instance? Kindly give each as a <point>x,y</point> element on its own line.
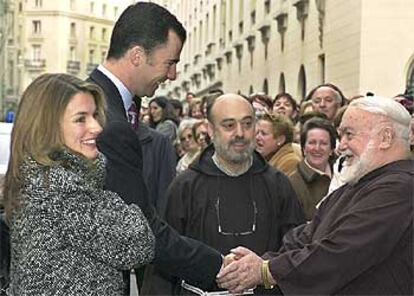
<point>145,47</point>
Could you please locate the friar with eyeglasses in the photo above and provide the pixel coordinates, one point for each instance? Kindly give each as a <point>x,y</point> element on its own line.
<point>229,196</point>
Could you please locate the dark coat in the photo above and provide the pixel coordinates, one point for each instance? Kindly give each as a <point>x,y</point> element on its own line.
<point>158,164</point>
<point>4,253</point>
<point>174,254</point>
<point>360,241</point>
<point>310,186</point>
<point>192,210</point>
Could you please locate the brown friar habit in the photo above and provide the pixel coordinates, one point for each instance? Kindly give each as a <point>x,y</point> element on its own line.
<point>193,200</point>
<point>359,243</point>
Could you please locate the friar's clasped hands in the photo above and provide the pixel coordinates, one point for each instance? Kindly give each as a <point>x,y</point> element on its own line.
<point>242,270</point>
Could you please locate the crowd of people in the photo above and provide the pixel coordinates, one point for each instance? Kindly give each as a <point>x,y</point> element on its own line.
<point>226,193</point>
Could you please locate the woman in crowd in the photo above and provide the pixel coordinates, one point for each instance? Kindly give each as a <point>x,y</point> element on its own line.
<point>162,117</point>
<point>261,103</point>
<point>195,110</point>
<point>188,144</point>
<point>286,105</point>
<point>200,133</point>
<point>305,107</point>
<point>274,137</point>
<point>68,235</point>
<point>313,174</point>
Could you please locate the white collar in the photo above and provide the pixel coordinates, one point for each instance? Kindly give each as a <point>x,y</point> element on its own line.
<point>123,90</point>
<point>327,171</point>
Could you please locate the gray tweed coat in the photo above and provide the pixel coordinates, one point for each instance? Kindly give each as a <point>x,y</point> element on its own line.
<point>69,236</point>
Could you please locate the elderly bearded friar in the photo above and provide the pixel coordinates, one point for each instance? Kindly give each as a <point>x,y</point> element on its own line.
<point>360,241</point>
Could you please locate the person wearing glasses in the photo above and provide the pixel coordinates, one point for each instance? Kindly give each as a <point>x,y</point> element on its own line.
<point>229,196</point>
<point>188,144</point>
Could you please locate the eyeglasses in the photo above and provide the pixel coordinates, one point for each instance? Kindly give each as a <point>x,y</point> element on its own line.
<point>186,138</point>
<point>220,229</point>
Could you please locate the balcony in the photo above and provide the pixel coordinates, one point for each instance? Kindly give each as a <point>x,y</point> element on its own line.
<point>90,67</point>
<point>73,67</point>
<point>35,65</point>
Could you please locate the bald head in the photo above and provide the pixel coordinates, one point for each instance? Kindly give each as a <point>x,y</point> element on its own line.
<point>232,129</point>
<point>227,102</point>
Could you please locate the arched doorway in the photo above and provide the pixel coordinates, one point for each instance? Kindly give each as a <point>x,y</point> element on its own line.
<point>302,83</point>
<point>410,79</point>
<point>265,86</point>
<point>282,83</point>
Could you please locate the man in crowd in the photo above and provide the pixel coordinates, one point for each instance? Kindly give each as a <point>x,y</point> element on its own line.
<point>326,98</point>
<point>145,47</point>
<point>230,196</point>
<point>361,239</point>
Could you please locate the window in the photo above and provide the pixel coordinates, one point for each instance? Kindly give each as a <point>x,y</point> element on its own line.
<point>410,80</point>
<point>267,6</point>
<point>104,10</point>
<point>91,7</point>
<point>37,27</point>
<point>214,20</point>
<point>282,83</point>
<point>265,86</point>
<point>253,17</point>
<point>36,52</point>
<point>103,34</point>
<point>321,68</point>
<point>38,3</point>
<point>72,30</point>
<point>92,32</point>
<point>91,56</point>
<point>72,53</point>
<point>302,83</point>
<point>103,56</point>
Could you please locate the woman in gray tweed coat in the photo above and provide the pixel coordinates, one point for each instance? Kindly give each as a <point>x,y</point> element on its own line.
<point>68,235</point>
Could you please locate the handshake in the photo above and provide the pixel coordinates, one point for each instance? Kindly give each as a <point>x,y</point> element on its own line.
<point>242,269</point>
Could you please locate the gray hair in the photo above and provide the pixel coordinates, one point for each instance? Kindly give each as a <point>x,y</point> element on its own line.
<point>187,123</point>
<point>389,108</point>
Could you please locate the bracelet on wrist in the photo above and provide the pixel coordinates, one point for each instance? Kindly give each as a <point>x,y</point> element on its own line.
<point>265,275</point>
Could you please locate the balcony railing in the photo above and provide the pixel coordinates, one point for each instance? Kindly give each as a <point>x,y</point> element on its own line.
<point>73,67</point>
<point>35,65</point>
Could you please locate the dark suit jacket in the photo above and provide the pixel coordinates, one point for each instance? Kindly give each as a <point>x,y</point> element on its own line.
<point>159,162</point>
<point>183,257</point>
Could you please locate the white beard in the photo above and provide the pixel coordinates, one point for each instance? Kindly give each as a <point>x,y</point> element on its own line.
<point>361,166</point>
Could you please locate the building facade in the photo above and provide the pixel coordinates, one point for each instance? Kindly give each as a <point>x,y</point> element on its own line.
<point>8,56</point>
<point>66,36</point>
<point>291,46</point>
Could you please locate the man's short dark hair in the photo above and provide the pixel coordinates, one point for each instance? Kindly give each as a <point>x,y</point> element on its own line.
<point>143,24</point>
<point>177,105</point>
